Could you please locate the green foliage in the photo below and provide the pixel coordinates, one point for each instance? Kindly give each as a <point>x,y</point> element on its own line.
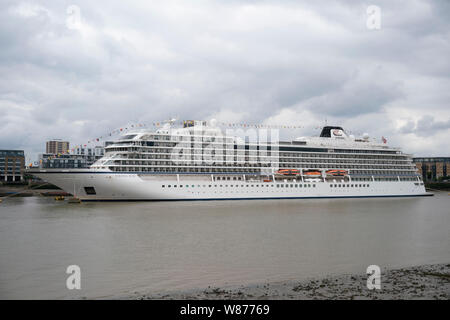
<point>438,185</point>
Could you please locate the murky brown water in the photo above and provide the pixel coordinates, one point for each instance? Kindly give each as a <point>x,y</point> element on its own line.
<point>126,247</point>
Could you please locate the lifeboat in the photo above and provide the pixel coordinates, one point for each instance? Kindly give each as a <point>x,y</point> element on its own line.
<point>312,173</point>
<point>288,172</point>
<point>336,172</point>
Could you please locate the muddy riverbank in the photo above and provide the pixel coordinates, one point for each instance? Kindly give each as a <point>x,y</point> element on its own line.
<point>419,282</point>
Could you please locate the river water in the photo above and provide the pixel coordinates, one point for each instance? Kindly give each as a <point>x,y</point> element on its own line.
<point>123,248</point>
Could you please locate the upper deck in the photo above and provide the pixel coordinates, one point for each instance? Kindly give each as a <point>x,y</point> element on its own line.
<point>199,147</point>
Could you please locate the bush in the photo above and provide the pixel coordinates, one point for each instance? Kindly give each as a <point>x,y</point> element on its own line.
<point>438,185</point>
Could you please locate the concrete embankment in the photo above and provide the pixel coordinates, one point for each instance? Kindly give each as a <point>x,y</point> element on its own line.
<point>29,191</point>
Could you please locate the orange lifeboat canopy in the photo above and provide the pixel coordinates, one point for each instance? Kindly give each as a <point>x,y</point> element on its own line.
<point>312,173</point>
<point>288,171</point>
<point>337,172</point>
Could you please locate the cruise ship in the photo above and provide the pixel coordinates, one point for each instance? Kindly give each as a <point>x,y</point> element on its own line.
<point>199,161</point>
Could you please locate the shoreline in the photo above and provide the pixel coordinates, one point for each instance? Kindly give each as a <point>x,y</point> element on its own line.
<point>439,186</point>
<point>27,191</point>
<point>417,282</point>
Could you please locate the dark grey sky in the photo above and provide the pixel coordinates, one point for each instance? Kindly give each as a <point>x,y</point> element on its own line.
<point>273,62</point>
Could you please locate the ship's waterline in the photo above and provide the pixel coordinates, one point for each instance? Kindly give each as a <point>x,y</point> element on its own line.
<point>122,248</point>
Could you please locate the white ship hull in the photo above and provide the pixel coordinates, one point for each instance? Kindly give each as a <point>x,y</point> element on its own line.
<point>107,186</point>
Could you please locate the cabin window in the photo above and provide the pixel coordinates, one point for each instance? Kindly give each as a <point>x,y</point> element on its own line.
<point>90,190</point>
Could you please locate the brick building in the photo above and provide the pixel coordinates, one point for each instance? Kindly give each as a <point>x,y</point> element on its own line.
<point>57,146</point>
<point>433,168</point>
<point>12,165</point>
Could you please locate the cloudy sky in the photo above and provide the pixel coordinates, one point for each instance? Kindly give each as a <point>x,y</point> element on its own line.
<point>79,69</point>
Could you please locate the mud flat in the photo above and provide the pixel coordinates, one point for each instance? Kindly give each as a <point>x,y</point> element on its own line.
<point>419,282</point>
